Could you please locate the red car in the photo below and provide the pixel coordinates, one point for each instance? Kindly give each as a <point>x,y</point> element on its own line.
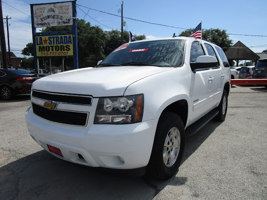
<point>15,81</point>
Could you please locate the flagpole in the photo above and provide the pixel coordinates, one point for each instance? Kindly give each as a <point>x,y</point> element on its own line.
<point>201,30</point>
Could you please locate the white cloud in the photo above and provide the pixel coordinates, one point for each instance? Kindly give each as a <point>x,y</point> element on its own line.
<point>258,49</point>
<point>18,10</point>
<point>20,35</point>
<point>151,37</point>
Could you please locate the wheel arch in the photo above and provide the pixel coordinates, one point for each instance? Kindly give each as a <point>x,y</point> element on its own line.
<point>227,87</point>
<point>180,108</point>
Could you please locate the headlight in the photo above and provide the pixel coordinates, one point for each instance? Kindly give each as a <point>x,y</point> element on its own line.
<point>119,110</point>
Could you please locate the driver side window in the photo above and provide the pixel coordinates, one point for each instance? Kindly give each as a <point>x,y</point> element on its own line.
<point>196,51</point>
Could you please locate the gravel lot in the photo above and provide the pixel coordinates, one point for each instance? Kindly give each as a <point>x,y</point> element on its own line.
<point>222,161</point>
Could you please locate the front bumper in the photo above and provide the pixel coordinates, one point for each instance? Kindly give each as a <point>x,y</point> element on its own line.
<point>110,146</point>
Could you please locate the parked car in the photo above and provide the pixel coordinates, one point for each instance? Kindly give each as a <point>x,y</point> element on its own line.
<point>234,73</point>
<point>261,69</point>
<point>134,109</point>
<point>246,72</point>
<point>43,72</point>
<point>15,81</point>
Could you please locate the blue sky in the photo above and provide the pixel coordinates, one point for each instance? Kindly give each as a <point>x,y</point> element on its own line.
<point>245,17</point>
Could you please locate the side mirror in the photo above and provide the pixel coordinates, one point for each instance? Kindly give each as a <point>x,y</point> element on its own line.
<point>99,62</point>
<point>203,62</point>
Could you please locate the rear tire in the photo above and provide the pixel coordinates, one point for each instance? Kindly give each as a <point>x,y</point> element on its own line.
<point>5,93</point>
<point>222,107</point>
<point>168,147</point>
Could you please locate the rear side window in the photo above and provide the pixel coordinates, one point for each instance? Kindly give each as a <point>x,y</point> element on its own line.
<point>211,52</point>
<point>222,56</point>
<point>196,51</point>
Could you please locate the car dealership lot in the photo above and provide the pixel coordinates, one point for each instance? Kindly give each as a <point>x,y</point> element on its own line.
<point>223,161</point>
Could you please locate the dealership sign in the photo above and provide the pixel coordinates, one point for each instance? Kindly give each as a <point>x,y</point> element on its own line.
<point>54,45</point>
<point>52,14</point>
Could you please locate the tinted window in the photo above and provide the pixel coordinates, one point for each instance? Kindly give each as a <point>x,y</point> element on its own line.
<point>261,64</point>
<point>196,51</point>
<point>222,56</point>
<point>211,52</point>
<point>161,53</point>
<point>244,70</point>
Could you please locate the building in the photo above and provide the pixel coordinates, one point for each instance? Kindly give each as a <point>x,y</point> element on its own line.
<point>14,60</point>
<point>239,51</point>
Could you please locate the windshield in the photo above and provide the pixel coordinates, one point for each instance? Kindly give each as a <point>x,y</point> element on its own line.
<point>161,53</point>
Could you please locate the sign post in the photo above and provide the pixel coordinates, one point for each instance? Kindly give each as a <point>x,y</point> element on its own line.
<point>59,43</point>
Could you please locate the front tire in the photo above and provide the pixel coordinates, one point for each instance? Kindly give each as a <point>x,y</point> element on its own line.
<point>168,147</point>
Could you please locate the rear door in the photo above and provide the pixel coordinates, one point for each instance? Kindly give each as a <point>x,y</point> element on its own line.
<point>201,85</point>
<point>216,77</point>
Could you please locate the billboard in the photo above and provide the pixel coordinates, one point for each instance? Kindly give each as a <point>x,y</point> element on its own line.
<point>52,14</point>
<point>54,45</point>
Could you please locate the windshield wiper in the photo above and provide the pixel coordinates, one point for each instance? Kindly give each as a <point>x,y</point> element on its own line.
<point>107,65</point>
<point>135,64</point>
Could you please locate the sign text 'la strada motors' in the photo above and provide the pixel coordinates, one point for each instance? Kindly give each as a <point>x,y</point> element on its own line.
<point>54,45</point>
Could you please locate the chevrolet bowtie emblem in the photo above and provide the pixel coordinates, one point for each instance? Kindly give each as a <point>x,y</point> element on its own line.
<point>50,105</point>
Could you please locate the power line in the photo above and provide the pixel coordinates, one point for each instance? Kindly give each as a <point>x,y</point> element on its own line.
<point>16,8</point>
<point>163,25</point>
<point>262,45</point>
<point>87,14</point>
<point>248,35</point>
<point>133,19</point>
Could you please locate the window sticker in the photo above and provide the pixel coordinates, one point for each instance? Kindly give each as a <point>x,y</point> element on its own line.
<point>124,46</point>
<point>138,50</point>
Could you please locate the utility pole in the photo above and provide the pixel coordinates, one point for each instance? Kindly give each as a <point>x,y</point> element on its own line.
<point>8,44</point>
<point>2,37</point>
<point>122,22</point>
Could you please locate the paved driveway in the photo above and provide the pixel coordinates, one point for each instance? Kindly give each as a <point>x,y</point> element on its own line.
<point>223,161</point>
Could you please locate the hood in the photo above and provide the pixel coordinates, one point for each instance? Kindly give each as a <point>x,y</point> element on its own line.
<point>98,82</point>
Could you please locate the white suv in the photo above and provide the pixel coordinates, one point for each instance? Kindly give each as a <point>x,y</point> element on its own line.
<point>134,109</point>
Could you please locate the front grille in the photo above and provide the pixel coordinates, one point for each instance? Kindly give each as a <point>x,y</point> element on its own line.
<point>72,118</point>
<point>62,97</point>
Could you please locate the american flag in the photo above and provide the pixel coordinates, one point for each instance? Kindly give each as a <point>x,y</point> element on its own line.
<point>197,32</point>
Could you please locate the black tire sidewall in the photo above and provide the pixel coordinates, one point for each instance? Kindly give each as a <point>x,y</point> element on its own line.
<point>156,166</point>
<point>221,116</point>
<point>5,97</point>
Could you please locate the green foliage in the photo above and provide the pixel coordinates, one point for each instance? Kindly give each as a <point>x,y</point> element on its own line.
<point>93,44</point>
<point>27,63</point>
<point>113,40</point>
<point>186,33</point>
<point>216,36</point>
<point>28,50</point>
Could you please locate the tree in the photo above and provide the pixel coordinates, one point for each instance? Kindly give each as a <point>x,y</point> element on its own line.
<point>113,40</point>
<point>27,63</point>
<point>216,36</point>
<point>28,50</point>
<point>93,44</point>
